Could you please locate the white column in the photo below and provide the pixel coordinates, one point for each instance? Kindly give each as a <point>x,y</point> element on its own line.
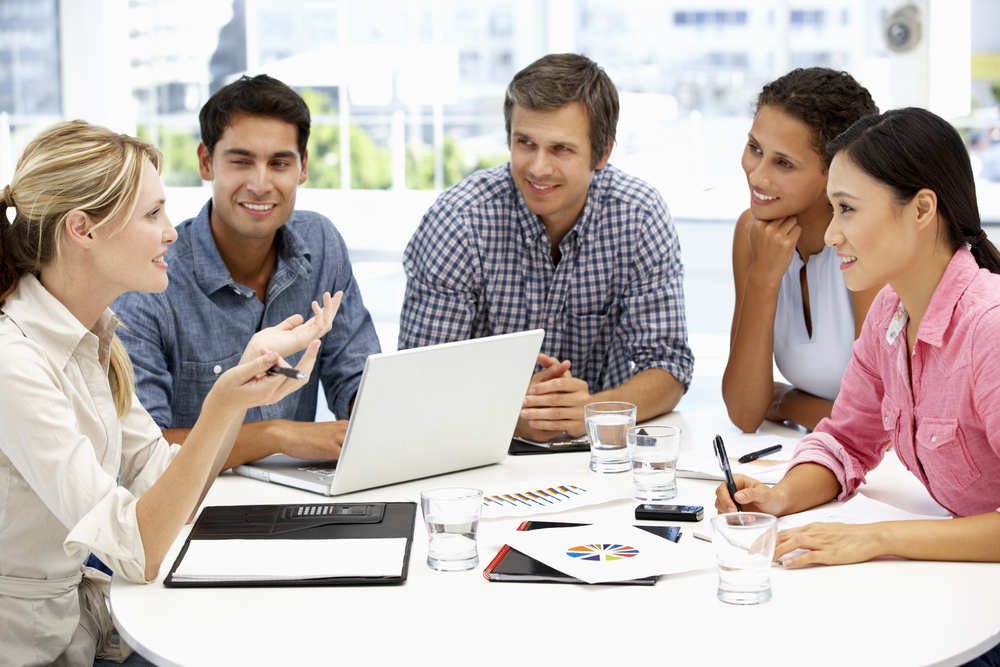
<point>397,147</point>
<point>949,57</point>
<point>93,45</point>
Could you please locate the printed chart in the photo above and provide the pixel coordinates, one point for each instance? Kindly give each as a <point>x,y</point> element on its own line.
<point>602,552</point>
<point>541,497</point>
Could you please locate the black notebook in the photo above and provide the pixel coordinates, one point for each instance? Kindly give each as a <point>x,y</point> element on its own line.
<point>521,447</point>
<point>512,565</point>
<point>321,544</point>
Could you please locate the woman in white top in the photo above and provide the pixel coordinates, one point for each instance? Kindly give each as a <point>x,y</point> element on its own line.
<point>791,302</point>
<point>83,468</point>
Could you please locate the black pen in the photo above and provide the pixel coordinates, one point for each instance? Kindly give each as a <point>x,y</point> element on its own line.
<point>287,372</point>
<point>753,456</point>
<point>720,453</point>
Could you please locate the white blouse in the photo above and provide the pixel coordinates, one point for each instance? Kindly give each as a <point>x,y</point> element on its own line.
<point>71,472</point>
<point>816,363</point>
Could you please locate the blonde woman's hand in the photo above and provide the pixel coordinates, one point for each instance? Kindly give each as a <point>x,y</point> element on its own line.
<point>248,385</point>
<point>295,334</point>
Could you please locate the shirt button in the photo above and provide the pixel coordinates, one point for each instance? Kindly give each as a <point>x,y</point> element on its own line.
<point>885,419</point>
<point>933,438</point>
<point>551,320</point>
<point>217,369</point>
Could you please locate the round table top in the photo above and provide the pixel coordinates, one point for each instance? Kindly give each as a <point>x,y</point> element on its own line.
<point>884,612</point>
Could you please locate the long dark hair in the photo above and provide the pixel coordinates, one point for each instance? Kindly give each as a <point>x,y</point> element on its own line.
<point>910,149</point>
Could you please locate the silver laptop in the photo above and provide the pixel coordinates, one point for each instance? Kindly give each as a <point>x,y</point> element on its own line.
<point>421,412</point>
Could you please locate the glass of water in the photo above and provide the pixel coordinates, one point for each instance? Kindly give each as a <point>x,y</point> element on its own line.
<point>744,544</point>
<point>451,516</point>
<point>653,451</point>
<point>606,426</point>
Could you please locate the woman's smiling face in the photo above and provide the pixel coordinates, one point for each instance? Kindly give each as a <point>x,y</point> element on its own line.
<point>785,173</point>
<point>872,241</point>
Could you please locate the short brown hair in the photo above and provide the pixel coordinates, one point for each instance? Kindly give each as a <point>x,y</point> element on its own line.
<point>555,80</point>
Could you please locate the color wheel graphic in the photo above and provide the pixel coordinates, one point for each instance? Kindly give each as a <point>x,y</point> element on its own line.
<point>602,552</point>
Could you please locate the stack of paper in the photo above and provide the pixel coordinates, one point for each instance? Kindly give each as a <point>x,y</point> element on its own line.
<point>288,560</point>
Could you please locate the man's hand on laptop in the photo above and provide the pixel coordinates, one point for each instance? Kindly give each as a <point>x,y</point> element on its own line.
<point>294,334</point>
<point>554,403</point>
<point>312,440</point>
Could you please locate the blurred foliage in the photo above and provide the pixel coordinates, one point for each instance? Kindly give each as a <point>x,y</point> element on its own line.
<point>180,154</point>
<point>371,164</point>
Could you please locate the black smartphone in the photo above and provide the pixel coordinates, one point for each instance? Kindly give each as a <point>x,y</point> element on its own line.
<point>670,512</point>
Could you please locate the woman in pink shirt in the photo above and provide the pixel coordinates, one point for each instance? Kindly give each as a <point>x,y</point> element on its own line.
<point>925,372</point>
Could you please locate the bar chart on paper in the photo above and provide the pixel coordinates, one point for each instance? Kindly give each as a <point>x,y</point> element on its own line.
<point>541,497</point>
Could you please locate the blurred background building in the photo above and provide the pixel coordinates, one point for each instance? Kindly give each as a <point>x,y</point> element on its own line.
<point>407,95</point>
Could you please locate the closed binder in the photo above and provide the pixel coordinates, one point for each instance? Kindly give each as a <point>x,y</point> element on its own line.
<point>354,523</point>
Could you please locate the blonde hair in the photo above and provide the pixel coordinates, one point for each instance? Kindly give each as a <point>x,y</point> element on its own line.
<point>71,166</point>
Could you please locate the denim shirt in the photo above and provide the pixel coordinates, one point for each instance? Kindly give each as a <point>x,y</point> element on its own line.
<point>182,339</point>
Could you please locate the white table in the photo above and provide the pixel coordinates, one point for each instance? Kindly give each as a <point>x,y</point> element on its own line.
<point>885,612</point>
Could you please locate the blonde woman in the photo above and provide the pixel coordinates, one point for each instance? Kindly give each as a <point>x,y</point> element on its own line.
<point>83,468</point>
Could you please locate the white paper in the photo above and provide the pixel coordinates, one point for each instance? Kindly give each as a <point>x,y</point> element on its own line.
<point>253,560</point>
<point>608,552</point>
<point>544,497</point>
<point>858,510</point>
<point>702,464</point>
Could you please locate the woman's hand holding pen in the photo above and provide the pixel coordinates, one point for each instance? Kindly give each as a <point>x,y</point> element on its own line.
<point>752,495</point>
<point>250,384</point>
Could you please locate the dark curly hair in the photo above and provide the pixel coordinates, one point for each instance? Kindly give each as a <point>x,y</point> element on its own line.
<point>826,100</point>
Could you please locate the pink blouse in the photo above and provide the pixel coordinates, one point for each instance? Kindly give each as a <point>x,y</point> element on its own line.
<point>947,430</point>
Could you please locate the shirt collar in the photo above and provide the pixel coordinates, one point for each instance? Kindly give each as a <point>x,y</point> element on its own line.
<point>211,272</point>
<point>531,225</point>
<point>44,319</point>
<point>959,274</point>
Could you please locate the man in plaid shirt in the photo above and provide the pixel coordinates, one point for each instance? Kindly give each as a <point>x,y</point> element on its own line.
<point>560,240</point>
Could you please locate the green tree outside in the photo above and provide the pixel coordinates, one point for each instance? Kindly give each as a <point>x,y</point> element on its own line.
<point>371,165</point>
<point>180,154</point>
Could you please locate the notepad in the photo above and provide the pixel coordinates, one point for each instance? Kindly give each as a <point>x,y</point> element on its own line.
<point>290,560</point>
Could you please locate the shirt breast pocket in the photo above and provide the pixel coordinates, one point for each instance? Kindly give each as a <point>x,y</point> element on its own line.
<point>197,379</point>
<point>890,419</point>
<point>941,448</point>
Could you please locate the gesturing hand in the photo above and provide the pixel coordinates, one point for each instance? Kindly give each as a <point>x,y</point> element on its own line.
<point>293,334</point>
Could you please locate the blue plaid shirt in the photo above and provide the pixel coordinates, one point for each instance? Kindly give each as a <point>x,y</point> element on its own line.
<point>479,264</point>
<point>181,340</point>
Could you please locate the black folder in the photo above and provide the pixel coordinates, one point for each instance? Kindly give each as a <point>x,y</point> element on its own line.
<point>321,521</point>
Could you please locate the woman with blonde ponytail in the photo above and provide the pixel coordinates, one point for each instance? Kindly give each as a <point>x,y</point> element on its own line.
<point>83,468</point>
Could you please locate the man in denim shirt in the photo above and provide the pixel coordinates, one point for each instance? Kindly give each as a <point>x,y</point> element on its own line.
<point>249,260</point>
